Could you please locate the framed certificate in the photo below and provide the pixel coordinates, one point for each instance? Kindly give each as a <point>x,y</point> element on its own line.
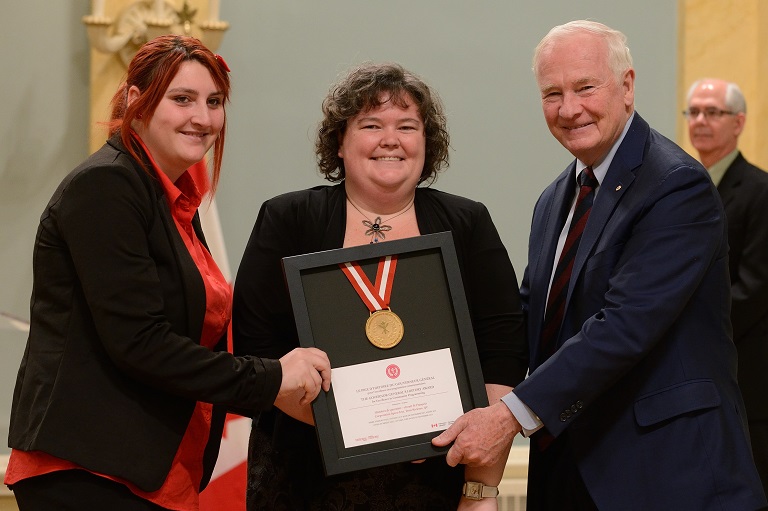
<point>393,319</point>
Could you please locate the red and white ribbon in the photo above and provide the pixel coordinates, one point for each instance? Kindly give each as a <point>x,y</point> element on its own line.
<point>375,296</point>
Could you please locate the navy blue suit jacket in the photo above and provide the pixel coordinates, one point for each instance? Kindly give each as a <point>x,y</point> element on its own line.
<point>644,379</point>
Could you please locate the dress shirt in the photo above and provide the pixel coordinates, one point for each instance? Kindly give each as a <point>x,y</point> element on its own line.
<point>524,415</point>
<point>717,171</point>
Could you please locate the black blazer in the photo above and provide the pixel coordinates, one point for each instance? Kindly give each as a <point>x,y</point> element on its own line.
<point>311,220</point>
<point>744,191</point>
<point>285,460</point>
<point>113,365</point>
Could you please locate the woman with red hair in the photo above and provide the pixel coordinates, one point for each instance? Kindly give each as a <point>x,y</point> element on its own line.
<point>122,391</point>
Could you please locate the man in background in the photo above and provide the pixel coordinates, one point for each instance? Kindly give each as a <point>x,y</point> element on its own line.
<point>716,115</point>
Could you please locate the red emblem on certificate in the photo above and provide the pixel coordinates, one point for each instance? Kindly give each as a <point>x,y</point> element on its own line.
<point>393,371</point>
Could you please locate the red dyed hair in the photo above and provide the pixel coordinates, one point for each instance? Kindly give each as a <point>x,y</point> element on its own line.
<point>151,71</point>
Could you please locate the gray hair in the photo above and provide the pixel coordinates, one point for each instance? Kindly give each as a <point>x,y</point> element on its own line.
<point>734,98</point>
<point>619,58</point>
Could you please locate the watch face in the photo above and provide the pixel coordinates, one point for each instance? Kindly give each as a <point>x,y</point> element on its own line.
<point>473,491</point>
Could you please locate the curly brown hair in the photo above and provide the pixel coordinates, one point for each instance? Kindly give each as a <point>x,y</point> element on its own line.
<point>360,91</point>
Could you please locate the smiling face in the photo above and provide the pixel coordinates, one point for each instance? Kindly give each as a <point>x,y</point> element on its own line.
<point>585,105</point>
<point>186,122</point>
<point>383,149</point>
<point>713,137</point>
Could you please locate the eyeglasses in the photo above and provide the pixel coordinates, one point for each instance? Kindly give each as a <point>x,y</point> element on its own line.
<point>709,113</point>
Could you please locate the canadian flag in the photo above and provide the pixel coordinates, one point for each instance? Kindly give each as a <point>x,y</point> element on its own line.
<point>226,491</point>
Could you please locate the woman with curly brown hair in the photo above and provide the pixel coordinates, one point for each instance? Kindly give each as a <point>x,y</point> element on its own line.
<point>382,140</point>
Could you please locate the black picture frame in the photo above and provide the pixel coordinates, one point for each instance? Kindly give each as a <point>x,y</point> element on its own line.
<point>427,294</point>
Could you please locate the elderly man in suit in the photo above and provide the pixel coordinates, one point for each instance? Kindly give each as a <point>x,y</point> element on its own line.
<point>716,115</point>
<point>631,401</point>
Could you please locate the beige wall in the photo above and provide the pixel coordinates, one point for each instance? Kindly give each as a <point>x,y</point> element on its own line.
<point>727,39</point>
<point>8,503</point>
<point>107,71</point>
<point>284,54</point>
<point>476,54</point>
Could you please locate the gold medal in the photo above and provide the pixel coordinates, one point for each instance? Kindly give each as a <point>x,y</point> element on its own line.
<point>384,329</point>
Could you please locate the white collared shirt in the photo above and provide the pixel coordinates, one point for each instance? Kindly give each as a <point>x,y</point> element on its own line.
<point>524,415</point>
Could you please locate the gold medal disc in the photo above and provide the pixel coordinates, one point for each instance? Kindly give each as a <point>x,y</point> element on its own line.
<point>384,329</point>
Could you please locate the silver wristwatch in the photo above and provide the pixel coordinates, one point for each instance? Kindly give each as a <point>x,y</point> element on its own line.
<point>478,491</point>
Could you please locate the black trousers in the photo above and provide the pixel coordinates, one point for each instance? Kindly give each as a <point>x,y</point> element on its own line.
<point>554,481</point>
<point>758,434</point>
<point>77,490</point>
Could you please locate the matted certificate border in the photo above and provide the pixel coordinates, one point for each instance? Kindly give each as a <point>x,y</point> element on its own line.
<point>427,294</point>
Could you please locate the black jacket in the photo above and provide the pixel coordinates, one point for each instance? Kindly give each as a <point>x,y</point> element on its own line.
<point>113,365</point>
<point>284,458</point>
<point>744,191</point>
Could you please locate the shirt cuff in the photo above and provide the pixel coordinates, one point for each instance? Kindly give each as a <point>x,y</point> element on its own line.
<point>524,415</point>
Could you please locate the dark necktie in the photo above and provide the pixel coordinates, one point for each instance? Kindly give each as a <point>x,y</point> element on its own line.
<point>553,317</point>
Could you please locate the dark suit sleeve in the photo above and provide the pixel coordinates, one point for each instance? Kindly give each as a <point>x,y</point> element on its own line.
<point>263,322</point>
<point>749,249</point>
<point>497,314</point>
<point>489,279</point>
<point>641,285</point>
<point>106,217</point>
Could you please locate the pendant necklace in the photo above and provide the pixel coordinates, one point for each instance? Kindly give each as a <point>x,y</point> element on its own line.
<point>377,228</point>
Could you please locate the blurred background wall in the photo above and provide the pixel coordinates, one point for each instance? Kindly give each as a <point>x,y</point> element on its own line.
<point>284,55</point>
